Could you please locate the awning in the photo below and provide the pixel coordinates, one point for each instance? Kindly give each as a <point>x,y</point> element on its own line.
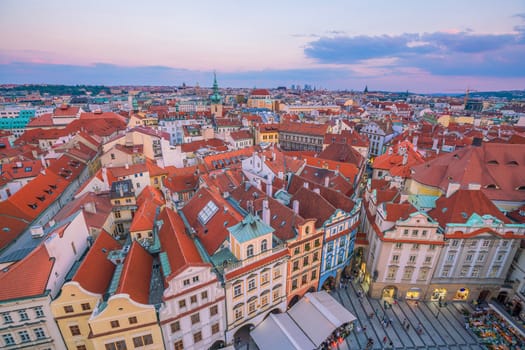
<point>279,331</point>
<point>305,326</point>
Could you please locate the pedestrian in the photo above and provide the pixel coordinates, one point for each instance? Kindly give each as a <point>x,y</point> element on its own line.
<point>384,339</point>
<point>391,344</point>
<point>358,329</point>
<point>408,326</point>
<point>404,321</point>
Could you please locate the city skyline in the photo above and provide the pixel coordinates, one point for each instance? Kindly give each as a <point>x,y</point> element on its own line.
<point>448,46</point>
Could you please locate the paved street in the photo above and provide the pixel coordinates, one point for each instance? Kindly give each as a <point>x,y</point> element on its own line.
<point>442,328</point>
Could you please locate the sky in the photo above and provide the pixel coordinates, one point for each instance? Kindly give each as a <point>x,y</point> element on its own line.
<point>392,45</point>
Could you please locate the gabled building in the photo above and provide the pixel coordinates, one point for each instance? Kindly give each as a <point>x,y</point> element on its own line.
<point>379,134</point>
<point>127,316</point>
<point>480,244</point>
<point>302,136</point>
<point>83,291</point>
<point>192,315</point>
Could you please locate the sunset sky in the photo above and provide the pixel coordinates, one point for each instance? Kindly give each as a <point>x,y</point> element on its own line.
<point>396,45</point>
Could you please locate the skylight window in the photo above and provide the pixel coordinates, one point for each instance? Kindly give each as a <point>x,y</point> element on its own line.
<point>207,212</point>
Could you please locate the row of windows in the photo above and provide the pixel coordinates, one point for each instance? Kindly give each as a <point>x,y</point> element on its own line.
<point>252,282</point>
<point>195,318</point>
<point>69,308</point>
<point>23,336</point>
<point>304,279</point>
<point>22,314</point>
<point>415,233</point>
<point>307,246</point>
<point>238,310</point>
<point>466,271</point>
<point>138,342</point>
<point>415,246</point>
<point>193,299</point>
<point>306,261</point>
<point>197,337</point>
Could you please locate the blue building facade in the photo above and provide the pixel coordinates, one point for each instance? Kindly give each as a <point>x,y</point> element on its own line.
<point>340,231</point>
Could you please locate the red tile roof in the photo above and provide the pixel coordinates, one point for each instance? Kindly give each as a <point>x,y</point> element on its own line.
<point>214,232</point>
<point>65,111</point>
<point>45,120</point>
<point>21,170</point>
<point>144,217</point>
<point>398,211</point>
<point>181,183</point>
<point>460,206</point>
<point>96,270</point>
<point>178,245</point>
<point>342,152</point>
<point>497,167</point>
<point>215,144</point>
<point>304,128</point>
<point>241,135</point>
<point>313,206</point>
<point>136,274</point>
<point>27,277</point>
<point>259,92</point>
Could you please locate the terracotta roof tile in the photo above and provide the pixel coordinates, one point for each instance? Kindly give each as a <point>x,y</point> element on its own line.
<point>136,274</point>
<point>176,243</point>
<point>96,270</point>
<point>27,277</point>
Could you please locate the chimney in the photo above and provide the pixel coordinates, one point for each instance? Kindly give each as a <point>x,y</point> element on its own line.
<point>126,166</point>
<point>258,184</point>
<point>452,188</point>
<point>326,181</point>
<point>42,159</point>
<point>266,212</point>
<point>414,141</point>
<point>435,144</point>
<point>296,206</point>
<point>305,184</point>
<point>317,190</point>
<point>269,190</point>
<point>280,175</point>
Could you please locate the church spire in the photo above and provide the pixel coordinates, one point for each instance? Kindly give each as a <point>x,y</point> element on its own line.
<point>215,97</point>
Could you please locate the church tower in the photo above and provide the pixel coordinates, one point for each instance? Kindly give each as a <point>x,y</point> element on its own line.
<point>216,99</point>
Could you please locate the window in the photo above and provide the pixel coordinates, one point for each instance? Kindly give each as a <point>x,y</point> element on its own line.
<point>118,345</point>
<point>307,247</point>
<point>39,312</point>
<point>251,307</point>
<point>264,278</point>
<point>85,306</point>
<point>399,245</point>
<point>237,290</point>
<point>423,274</point>
<point>132,320</point>
<point>182,303</point>
<point>424,233</point>
<point>405,232</point>
<point>68,309</point>
<point>463,272</point>
<point>481,257</point>
<point>207,212</point>
<point>415,232</point>
<point>7,318</point>
<point>75,330</point>
<point>276,294</point>
<point>276,273</point>
<point>204,295</point>
<point>415,246</point>
<point>317,243</point>
<point>451,257</point>
<point>264,300</point>
<point>39,333</point>
<point>195,318</point>
<point>314,274</point>
<point>195,279</point>
<point>214,310</point>
<point>391,272</point>
<point>330,247</point>
<point>432,247</point>
<point>115,324</point>
<point>193,299</point>
<point>428,259</point>
<point>295,265</point>
<point>475,272</point>
<point>81,347</point>
<point>305,261</point>
<point>249,250</point>
<point>445,272</point>
<point>455,243</point>
<point>178,345</point>
<point>175,327</point>
<point>499,257</point>
<point>395,258</point>
<point>468,257</point>
<point>143,340</point>
<point>197,337</point>
<point>264,245</point>
<point>251,284</point>
<point>297,250</point>
<point>412,259</point>
<point>23,315</point>
<point>186,282</point>
<point>407,274</point>
<point>238,313</point>
<point>304,279</point>
<point>8,339</point>
<point>215,328</point>
<point>316,256</point>
<point>24,336</point>
<point>294,283</point>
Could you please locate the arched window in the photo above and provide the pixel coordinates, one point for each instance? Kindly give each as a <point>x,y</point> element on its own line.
<point>264,245</point>
<point>249,250</point>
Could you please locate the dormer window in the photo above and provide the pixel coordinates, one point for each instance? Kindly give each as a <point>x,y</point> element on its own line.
<point>264,245</point>
<point>512,163</point>
<point>492,186</point>
<point>493,162</point>
<point>249,251</point>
